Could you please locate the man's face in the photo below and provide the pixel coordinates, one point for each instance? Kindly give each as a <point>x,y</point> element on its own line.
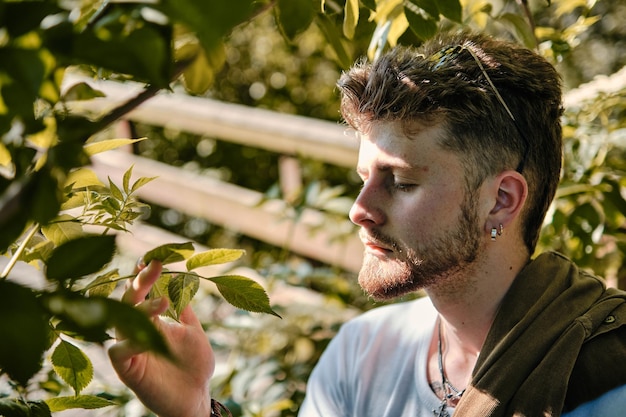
<point>419,225</point>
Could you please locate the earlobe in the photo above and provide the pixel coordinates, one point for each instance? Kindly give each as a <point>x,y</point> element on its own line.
<point>512,191</point>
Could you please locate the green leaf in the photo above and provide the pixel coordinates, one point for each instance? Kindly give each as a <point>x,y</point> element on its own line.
<point>115,191</point>
<point>452,9</point>
<point>83,177</point>
<point>104,284</point>
<point>351,18</point>
<point>82,91</point>
<point>96,314</point>
<point>428,6</point>
<point>19,408</point>
<point>243,293</point>
<point>161,289</point>
<point>141,182</point>
<point>170,253</point>
<point>107,145</point>
<point>521,29</point>
<point>80,257</point>
<point>72,365</point>
<point>181,290</point>
<point>63,229</point>
<point>421,23</point>
<point>200,74</point>
<point>333,37</point>
<point>23,332</point>
<point>210,20</point>
<point>370,4</point>
<point>294,16</point>
<point>214,257</point>
<point>87,402</point>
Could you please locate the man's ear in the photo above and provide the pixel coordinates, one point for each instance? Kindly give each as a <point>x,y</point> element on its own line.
<point>511,192</point>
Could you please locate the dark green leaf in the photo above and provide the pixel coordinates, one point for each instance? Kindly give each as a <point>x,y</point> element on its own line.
<point>452,9</point>
<point>87,402</point>
<point>45,197</point>
<point>23,332</point>
<point>210,20</point>
<point>428,6</point>
<point>101,313</point>
<point>19,408</point>
<point>333,37</point>
<point>170,253</point>
<point>243,293</point>
<point>423,25</point>
<point>79,257</point>
<point>294,16</point>
<point>370,4</point>
<point>72,365</point>
<point>25,16</point>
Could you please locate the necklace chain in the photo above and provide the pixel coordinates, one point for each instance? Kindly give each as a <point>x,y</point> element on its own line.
<point>449,391</point>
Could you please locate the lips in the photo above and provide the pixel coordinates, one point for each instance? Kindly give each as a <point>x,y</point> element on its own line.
<point>375,246</point>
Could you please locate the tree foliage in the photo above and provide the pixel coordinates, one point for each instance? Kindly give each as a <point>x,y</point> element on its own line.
<point>50,201</point>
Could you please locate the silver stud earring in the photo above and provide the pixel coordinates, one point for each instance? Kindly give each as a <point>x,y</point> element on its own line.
<point>494,232</point>
<point>501,230</point>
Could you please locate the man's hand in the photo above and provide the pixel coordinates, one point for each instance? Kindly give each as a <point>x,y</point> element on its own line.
<point>178,388</point>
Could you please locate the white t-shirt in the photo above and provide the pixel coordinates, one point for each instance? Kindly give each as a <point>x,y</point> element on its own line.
<point>376,367</point>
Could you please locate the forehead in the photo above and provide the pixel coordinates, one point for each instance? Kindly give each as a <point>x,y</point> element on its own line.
<point>388,144</point>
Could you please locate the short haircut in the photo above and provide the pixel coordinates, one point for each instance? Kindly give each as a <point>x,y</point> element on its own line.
<point>500,105</point>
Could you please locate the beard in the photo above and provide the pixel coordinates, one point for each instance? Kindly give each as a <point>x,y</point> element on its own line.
<point>425,263</point>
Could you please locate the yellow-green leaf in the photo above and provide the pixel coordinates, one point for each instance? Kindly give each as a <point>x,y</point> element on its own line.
<point>160,289</point>
<point>83,177</point>
<point>181,289</point>
<point>107,145</point>
<point>214,257</point>
<point>170,253</point>
<point>104,284</point>
<point>243,293</point>
<point>5,156</point>
<point>87,402</point>
<point>350,18</point>
<point>72,365</point>
<point>63,229</point>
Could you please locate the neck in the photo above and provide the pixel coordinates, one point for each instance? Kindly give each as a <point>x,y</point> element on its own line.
<point>468,304</point>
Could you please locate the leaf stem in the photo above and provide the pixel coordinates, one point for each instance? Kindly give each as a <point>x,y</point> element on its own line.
<point>19,251</point>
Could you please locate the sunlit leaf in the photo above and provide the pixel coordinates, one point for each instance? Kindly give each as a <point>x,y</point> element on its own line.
<point>81,91</point>
<point>104,284</point>
<point>116,192</point>
<point>83,177</point>
<point>87,402</point>
<point>333,37</point>
<point>170,253</point>
<point>80,257</point>
<point>140,183</point>
<point>161,289</point>
<point>214,257</point>
<point>243,293</point>
<point>72,365</point>
<point>62,229</point>
<point>181,289</point>
<point>351,18</point>
<point>107,145</point>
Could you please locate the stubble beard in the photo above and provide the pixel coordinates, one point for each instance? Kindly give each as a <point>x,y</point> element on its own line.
<point>430,263</point>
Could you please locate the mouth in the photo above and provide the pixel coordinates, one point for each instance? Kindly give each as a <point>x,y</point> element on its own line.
<point>375,246</point>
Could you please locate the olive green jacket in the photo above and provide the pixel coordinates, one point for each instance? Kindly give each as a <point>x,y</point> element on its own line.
<point>557,341</point>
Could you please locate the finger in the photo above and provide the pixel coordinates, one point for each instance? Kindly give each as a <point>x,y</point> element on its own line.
<point>140,286</point>
<point>122,353</point>
<point>187,316</point>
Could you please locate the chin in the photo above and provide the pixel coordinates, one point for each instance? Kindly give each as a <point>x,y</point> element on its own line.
<point>386,280</point>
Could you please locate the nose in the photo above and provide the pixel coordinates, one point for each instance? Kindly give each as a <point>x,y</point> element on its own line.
<point>366,209</point>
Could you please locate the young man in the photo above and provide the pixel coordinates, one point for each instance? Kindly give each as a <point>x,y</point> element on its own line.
<point>460,155</point>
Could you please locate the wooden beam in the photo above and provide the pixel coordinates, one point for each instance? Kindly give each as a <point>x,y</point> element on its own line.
<point>233,207</point>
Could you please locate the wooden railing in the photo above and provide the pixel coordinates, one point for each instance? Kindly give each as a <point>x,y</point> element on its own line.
<point>218,202</point>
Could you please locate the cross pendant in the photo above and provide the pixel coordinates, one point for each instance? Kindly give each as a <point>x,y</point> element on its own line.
<point>441,411</point>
